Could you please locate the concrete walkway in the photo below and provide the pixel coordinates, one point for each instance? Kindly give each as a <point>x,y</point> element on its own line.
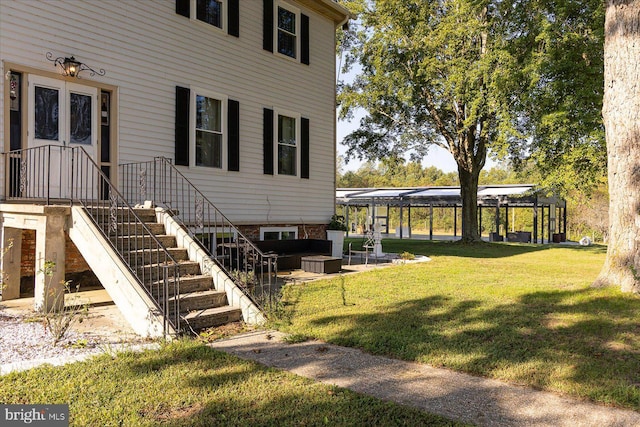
<point>456,396</point>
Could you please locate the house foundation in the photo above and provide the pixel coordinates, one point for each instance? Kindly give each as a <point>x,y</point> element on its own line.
<point>50,225</point>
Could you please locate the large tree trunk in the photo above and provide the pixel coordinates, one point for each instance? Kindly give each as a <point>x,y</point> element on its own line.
<point>469,194</point>
<point>621,113</point>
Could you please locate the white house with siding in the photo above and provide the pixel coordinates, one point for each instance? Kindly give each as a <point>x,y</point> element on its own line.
<point>239,95</point>
<point>260,67</point>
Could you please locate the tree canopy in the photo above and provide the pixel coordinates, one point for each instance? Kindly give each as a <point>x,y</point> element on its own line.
<point>477,76</point>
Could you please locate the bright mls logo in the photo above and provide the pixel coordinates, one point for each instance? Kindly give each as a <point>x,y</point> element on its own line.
<point>36,415</point>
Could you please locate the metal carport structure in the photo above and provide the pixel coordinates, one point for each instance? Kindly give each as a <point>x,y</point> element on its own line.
<point>496,197</point>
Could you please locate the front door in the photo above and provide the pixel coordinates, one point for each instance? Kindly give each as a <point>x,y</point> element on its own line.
<point>61,115</point>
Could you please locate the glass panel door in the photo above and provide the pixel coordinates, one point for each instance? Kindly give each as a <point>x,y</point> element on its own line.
<point>60,115</point>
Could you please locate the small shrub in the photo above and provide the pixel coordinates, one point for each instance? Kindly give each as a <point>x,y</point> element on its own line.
<point>407,256</point>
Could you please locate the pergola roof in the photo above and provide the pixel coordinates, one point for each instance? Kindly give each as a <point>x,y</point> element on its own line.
<point>488,195</point>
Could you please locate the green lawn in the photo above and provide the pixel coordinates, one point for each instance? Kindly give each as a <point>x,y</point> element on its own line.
<point>189,384</point>
<point>521,313</point>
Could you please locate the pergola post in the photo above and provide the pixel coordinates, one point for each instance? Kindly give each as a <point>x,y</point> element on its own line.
<point>401,214</point>
<point>497,217</point>
<point>506,221</point>
<point>480,220</point>
<point>387,219</point>
<point>535,220</point>
<point>430,221</point>
<point>409,219</point>
<point>346,209</point>
<point>455,221</point>
<point>542,224</point>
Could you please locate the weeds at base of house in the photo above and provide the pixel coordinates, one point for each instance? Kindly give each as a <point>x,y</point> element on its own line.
<point>220,332</point>
<point>59,322</point>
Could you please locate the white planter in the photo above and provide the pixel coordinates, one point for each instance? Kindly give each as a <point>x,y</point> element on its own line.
<point>337,239</point>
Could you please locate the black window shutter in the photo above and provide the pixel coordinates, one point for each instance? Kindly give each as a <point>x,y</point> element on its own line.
<point>233,139</point>
<point>304,148</point>
<point>182,8</point>
<point>267,25</point>
<point>268,141</point>
<point>183,97</point>
<point>304,39</point>
<point>233,18</point>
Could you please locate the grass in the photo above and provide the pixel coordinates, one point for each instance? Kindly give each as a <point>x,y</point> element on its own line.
<point>526,314</point>
<point>186,383</point>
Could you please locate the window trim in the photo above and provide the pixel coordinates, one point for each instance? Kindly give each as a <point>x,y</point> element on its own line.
<point>276,141</point>
<point>224,102</point>
<point>298,13</point>
<point>193,8</point>
<point>279,230</point>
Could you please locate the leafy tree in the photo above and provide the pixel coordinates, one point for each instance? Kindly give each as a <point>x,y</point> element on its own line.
<point>561,44</point>
<point>621,110</point>
<point>517,78</point>
<point>433,73</point>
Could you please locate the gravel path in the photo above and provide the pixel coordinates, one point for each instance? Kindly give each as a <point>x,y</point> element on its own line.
<point>26,340</point>
<point>25,343</point>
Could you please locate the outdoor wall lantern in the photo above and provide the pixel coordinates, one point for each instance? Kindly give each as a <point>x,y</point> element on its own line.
<point>71,67</point>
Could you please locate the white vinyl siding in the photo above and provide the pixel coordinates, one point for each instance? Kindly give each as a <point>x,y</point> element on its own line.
<point>147,50</point>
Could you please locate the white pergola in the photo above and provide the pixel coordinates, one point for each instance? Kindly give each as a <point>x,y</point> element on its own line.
<point>496,197</point>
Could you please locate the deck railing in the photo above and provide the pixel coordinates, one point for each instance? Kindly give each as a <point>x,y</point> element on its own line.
<point>162,183</point>
<point>57,174</point>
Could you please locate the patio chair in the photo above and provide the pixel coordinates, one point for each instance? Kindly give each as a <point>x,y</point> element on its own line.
<point>368,245</point>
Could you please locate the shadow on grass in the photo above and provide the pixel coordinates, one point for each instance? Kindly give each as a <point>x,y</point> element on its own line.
<point>218,389</point>
<point>575,341</point>
<point>474,250</point>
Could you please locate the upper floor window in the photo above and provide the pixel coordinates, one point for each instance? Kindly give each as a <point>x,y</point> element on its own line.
<point>210,11</point>
<point>287,32</point>
<point>223,14</point>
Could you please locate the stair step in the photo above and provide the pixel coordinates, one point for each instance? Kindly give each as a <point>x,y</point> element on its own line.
<point>144,242</point>
<point>200,319</point>
<point>150,257</point>
<point>187,284</point>
<point>200,300</point>
<point>146,215</point>
<point>155,271</point>
<point>129,228</point>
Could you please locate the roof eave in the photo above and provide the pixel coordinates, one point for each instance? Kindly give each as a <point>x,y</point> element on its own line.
<point>329,9</point>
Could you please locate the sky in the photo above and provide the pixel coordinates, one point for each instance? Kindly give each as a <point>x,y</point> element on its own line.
<point>437,156</point>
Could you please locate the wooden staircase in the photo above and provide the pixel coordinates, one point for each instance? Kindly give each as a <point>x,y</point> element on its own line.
<point>201,305</point>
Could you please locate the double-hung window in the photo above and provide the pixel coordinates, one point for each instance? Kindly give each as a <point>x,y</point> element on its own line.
<point>208,130</point>
<point>222,14</point>
<point>210,11</point>
<point>287,31</point>
<point>287,146</point>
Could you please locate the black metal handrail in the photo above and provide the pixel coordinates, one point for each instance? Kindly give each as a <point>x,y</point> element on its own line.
<point>160,181</point>
<point>57,174</point>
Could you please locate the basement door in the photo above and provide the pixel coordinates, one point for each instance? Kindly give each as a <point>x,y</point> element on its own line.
<point>61,115</point>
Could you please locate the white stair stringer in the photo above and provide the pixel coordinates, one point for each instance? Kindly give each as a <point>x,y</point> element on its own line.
<point>127,293</point>
<point>251,314</point>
